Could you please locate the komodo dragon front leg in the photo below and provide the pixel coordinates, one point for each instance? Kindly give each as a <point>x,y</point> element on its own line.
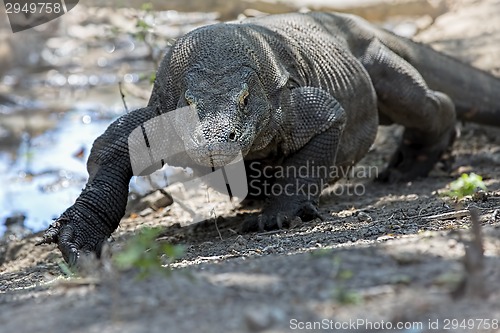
<point>96,213</point>
<point>317,121</point>
<point>404,98</point>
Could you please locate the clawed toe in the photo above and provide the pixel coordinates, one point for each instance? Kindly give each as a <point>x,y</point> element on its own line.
<point>72,238</point>
<point>309,212</point>
<point>51,234</point>
<point>267,221</point>
<point>264,222</point>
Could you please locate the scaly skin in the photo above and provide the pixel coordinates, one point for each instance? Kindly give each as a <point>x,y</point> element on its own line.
<point>296,91</point>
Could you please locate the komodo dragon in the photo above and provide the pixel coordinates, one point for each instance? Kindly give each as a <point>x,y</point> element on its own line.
<point>285,90</point>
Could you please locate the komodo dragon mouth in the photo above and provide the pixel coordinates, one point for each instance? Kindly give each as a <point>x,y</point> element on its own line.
<point>215,155</point>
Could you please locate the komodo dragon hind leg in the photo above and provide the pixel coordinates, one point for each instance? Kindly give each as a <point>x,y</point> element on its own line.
<point>317,121</point>
<point>404,97</point>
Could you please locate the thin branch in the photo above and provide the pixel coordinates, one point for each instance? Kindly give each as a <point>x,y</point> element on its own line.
<point>122,95</point>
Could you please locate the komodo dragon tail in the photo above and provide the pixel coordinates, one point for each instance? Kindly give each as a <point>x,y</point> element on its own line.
<point>476,94</point>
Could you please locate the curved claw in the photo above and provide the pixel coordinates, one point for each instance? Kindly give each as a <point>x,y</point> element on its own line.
<point>61,232</point>
<point>309,211</point>
<point>67,246</point>
<point>266,221</point>
<point>73,238</point>
<point>51,235</point>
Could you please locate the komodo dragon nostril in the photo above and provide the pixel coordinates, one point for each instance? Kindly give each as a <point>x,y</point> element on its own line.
<point>198,137</point>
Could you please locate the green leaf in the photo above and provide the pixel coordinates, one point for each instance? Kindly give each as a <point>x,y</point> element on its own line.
<point>144,253</point>
<point>466,184</point>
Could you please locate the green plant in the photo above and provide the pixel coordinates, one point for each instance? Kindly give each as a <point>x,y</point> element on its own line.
<point>145,253</point>
<point>466,184</point>
<point>66,269</point>
<point>145,31</point>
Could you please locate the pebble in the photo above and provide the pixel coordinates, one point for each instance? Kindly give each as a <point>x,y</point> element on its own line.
<point>364,217</point>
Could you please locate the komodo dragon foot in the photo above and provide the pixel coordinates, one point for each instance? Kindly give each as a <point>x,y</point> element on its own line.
<point>75,239</point>
<point>413,159</point>
<point>280,212</point>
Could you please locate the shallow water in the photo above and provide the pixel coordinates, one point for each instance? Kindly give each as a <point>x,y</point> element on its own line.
<point>49,172</point>
<point>45,142</point>
<point>44,173</point>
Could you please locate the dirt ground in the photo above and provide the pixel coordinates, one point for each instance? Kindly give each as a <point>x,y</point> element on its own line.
<point>383,258</point>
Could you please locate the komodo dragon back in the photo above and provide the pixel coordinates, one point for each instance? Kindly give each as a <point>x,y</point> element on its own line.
<point>475,93</point>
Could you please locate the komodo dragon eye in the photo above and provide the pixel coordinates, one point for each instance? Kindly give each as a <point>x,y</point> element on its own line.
<point>243,97</point>
<point>190,99</point>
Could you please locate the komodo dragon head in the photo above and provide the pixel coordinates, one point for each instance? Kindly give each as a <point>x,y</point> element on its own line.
<point>225,100</point>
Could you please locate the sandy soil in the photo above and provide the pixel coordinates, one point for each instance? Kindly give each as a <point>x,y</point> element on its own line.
<point>385,249</point>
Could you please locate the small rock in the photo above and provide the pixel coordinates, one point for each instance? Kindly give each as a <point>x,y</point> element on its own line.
<point>364,217</point>
<point>269,249</point>
<point>146,212</point>
<point>480,196</point>
<point>163,201</point>
<point>385,237</point>
<point>240,243</point>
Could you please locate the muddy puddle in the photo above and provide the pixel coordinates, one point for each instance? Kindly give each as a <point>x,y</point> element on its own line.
<point>44,149</point>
